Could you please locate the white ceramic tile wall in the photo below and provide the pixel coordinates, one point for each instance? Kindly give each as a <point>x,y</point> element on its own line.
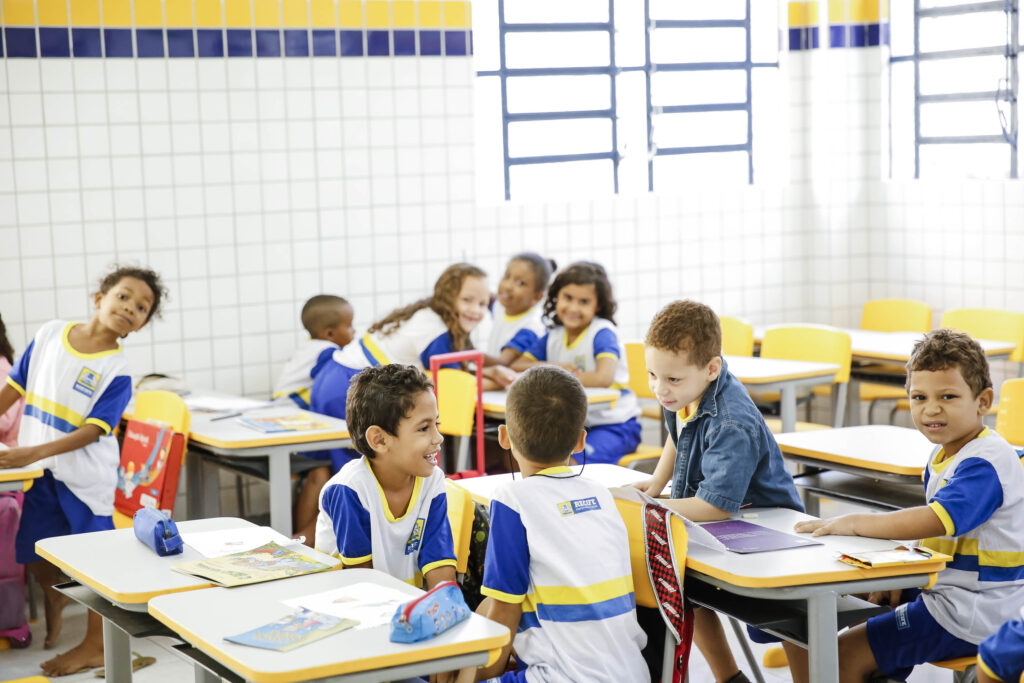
<point>252,184</point>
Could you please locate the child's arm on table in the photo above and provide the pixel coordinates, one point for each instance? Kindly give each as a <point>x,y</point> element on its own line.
<point>602,376</point>
<point>438,575</point>
<point>694,509</point>
<point>918,522</point>
<point>8,396</point>
<point>26,455</point>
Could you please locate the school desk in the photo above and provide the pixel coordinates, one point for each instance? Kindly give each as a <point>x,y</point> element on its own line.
<point>611,476</point>
<point>494,401</point>
<point>118,576</point>
<point>204,618</point>
<point>811,576</point>
<point>19,478</point>
<point>881,465</point>
<point>784,376</point>
<point>229,443</point>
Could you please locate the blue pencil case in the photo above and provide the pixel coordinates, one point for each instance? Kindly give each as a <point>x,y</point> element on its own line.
<point>158,531</point>
<point>431,614</point>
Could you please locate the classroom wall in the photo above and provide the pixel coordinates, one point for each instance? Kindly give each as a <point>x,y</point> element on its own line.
<point>337,156</point>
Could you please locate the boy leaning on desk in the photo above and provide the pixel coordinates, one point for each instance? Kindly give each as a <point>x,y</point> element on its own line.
<point>974,485</point>
<point>720,454</point>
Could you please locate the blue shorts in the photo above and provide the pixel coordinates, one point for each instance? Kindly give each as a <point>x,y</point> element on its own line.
<point>609,443</point>
<point>908,636</point>
<point>327,397</point>
<point>52,510</point>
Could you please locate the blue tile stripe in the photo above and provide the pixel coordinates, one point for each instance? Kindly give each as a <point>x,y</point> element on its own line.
<point>45,41</point>
<point>858,35</point>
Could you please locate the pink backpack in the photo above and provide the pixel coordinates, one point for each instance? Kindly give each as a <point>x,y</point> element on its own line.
<point>13,624</point>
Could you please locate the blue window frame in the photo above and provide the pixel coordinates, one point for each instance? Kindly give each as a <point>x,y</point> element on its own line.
<point>669,80</point>
<point>953,87</point>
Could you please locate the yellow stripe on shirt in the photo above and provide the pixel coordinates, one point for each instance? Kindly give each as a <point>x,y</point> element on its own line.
<point>584,595</point>
<point>55,409</point>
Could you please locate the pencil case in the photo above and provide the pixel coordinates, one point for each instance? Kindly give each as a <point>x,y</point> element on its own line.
<point>157,530</point>
<point>429,615</point>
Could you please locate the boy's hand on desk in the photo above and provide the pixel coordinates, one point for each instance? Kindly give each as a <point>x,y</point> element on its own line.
<point>503,376</point>
<point>18,457</point>
<point>838,526</point>
<point>649,486</point>
<point>568,366</point>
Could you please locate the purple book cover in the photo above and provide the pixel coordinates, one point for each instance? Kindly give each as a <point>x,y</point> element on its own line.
<point>744,537</point>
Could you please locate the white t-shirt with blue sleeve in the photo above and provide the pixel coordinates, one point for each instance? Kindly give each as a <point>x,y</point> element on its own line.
<point>412,342</point>
<point>519,332</point>
<point>301,369</point>
<point>64,390</point>
<point>356,525</point>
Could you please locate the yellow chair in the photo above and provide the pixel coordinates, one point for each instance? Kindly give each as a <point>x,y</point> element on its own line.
<point>639,386</point>
<point>737,337</point>
<point>814,343</point>
<point>989,323</point>
<point>891,315</point>
<point>1010,416</point>
<point>456,410</point>
<point>164,407</point>
<point>958,664</point>
<point>460,516</point>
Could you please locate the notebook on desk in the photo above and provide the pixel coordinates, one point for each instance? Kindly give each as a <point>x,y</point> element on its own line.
<point>283,423</point>
<point>745,537</point>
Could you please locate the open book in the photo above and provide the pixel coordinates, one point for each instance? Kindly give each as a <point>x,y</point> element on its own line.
<point>265,563</point>
<point>901,554</point>
<point>301,627</point>
<point>283,423</point>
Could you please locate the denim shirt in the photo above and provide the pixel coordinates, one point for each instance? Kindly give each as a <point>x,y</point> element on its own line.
<point>726,456</point>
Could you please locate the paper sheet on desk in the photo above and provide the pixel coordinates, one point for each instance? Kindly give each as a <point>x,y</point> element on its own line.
<point>695,534</point>
<point>368,603</point>
<point>228,541</point>
<point>206,403</point>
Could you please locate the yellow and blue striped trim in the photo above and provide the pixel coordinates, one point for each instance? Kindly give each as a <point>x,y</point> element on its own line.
<point>235,28</point>
<point>804,33</point>
<point>851,23</point>
<point>53,414</point>
<point>991,565</point>
<point>434,565</point>
<point>14,385</point>
<point>578,603</point>
<point>373,352</point>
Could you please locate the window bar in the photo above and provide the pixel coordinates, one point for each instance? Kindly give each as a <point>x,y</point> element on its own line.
<point>917,89</point>
<point>1013,50</point>
<point>750,100</point>
<point>651,151</point>
<point>503,67</point>
<point>612,83</point>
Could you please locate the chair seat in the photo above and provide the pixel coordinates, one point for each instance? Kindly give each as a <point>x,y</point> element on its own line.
<point>643,452</point>
<point>775,426</point>
<point>958,664</point>
<point>875,392</point>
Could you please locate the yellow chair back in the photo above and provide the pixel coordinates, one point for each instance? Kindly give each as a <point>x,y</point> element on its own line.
<point>737,337</point>
<point>632,512</point>
<point>456,401</point>
<point>637,370</point>
<point>814,343</point>
<point>989,323</point>
<point>1010,417</point>
<point>460,517</point>
<point>159,406</point>
<point>896,315</point>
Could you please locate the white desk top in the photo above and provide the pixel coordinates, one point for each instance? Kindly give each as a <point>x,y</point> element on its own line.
<point>494,401</point>
<point>755,370</point>
<point>229,433</point>
<point>882,448</point>
<point>897,346</point>
<point>795,566</point>
<point>205,617</point>
<point>482,488</point>
<point>20,474</point>
<point>121,568</point>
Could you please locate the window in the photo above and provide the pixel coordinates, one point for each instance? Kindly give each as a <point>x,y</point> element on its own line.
<point>953,89</point>
<point>584,98</point>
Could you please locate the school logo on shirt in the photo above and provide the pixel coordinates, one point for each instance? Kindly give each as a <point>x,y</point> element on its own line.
<point>575,507</point>
<point>88,382</point>
<point>580,362</point>
<point>413,544</point>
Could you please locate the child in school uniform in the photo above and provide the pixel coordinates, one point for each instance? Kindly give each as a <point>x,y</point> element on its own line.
<point>974,485</point>
<point>1001,655</point>
<point>719,454</point>
<point>76,382</point>
<point>583,339</point>
<point>408,336</point>
<point>10,420</point>
<point>328,320</point>
<point>388,510</point>
<point>557,570</point>
<point>517,320</point>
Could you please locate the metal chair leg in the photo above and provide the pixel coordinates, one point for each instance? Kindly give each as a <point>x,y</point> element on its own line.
<point>741,636</point>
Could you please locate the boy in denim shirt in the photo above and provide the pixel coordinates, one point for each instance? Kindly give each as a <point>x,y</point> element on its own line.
<point>719,453</point>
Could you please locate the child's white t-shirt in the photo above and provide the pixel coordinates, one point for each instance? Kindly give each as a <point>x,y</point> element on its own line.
<point>301,369</point>
<point>518,331</point>
<point>413,342</point>
<point>64,390</point>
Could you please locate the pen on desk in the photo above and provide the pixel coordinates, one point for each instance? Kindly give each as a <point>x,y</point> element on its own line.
<point>224,417</point>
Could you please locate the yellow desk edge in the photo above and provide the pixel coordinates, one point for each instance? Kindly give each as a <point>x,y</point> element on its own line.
<point>268,441</point>
<point>856,462</point>
<point>611,397</point>
<point>488,645</point>
<point>26,477</point>
<point>785,378</point>
<point>930,568</point>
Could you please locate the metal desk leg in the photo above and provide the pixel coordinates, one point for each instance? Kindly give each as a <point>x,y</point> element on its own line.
<point>852,403</point>
<point>204,675</point>
<point>787,407</point>
<point>117,653</point>
<point>822,643</point>
<point>280,493</point>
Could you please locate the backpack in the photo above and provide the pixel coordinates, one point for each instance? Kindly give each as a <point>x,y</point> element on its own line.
<point>13,623</point>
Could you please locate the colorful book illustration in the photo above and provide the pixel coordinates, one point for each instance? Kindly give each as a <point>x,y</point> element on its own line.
<point>901,554</point>
<point>265,563</point>
<point>283,423</point>
<point>744,537</point>
<point>299,628</point>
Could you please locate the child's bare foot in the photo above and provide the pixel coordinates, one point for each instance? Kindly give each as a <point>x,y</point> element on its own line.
<point>53,605</point>
<point>79,658</point>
